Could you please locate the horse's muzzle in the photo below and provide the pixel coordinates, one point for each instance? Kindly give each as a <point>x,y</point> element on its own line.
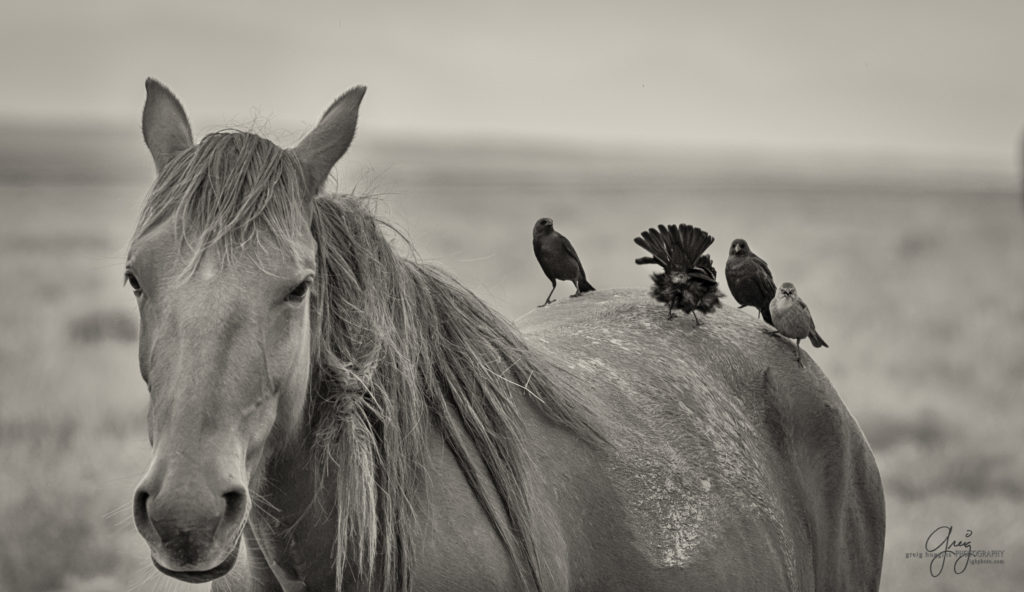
<point>193,533</point>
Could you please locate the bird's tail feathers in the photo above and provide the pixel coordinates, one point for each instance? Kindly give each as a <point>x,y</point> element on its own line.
<point>651,240</point>
<point>816,339</point>
<point>766,314</point>
<point>674,247</point>
<point>585,286</point>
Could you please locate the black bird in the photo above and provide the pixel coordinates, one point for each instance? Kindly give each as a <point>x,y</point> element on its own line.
<point>749,279</point>
<point>793,318</point>
<point>558,259</point>
<point>689,279</point>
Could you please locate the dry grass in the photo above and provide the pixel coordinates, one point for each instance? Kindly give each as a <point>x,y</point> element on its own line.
<point>918,294</point>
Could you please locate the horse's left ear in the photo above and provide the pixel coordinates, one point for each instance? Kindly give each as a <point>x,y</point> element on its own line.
<point>321,149</point>
<point>164,124</point>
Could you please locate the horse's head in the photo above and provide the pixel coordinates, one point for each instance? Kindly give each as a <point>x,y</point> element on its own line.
<point>221,264</point>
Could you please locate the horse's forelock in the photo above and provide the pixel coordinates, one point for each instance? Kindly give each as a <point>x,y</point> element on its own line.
<point>233,192</point>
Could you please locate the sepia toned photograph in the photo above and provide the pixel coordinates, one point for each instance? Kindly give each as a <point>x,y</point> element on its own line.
<point>539,296</point>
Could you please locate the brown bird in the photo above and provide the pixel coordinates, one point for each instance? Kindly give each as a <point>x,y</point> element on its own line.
<point>749,279</point>
<point>793,318</point>
<point>689,279</point>
<point>558,259</point>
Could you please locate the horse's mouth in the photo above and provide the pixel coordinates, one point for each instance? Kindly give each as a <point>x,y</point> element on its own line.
<point>199,577</point>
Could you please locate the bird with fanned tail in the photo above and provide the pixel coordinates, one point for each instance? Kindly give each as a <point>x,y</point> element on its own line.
<point>688,281</point>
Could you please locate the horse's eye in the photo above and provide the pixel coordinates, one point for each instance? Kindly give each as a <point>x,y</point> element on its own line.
<point>299,292</point>
<point>131,280</point>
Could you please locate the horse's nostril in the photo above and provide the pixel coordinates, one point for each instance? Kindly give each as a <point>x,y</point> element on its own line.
<point>139,507</point>
<point>234,505</point>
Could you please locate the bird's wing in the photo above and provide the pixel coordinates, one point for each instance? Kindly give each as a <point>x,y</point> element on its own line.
<point>704,270</point>
<point>806,311</point>
<point>763,266</point>
<point>568,249</point>
<point>763,280</point>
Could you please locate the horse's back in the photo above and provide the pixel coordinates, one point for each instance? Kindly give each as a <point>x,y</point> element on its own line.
<point>735,466</point>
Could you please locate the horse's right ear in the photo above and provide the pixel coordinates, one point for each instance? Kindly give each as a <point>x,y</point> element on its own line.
<point>321,149</point>
<point>164,124</point>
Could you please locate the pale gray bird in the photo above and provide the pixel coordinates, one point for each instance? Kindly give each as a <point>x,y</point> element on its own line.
<point>793,319</point>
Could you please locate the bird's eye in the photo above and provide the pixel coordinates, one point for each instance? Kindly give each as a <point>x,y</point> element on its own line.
<point>131,280</point>
<point>298,294</point>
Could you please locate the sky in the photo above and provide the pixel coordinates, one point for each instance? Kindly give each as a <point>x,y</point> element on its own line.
<point>919,77</point>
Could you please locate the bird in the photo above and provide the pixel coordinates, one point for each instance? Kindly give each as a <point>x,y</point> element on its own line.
<point>688,280</point>
<point>793,319</point>
<point>558,260</point>
<point>749,279</point>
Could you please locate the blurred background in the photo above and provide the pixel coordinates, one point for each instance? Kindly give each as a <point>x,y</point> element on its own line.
<point>869,151</point>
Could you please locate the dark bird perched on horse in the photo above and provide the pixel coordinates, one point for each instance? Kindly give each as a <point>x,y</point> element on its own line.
<point>749,279</point>
<point>558,259</point>
<point>793,318</point>
<point>688,281</point>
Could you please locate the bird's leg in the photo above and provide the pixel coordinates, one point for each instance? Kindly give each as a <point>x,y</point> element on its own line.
<point>670,315</point>
<point>574,283</point>
<point>695,319</point>
<point>548,300</point>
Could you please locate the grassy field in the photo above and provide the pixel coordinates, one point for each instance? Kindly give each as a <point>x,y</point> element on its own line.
<point>916,282</point>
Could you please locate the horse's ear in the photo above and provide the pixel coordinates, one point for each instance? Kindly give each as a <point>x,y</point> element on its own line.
<point>321,149</point>
<point>164,124</point>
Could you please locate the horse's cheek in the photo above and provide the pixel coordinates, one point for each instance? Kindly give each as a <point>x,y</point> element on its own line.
<point>145,343</point>
<point>291,368</point>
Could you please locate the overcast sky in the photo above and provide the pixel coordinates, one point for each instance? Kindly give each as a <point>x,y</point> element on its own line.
<point>896,76</point>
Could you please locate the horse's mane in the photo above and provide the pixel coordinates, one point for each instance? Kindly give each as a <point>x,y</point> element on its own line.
<point>401,343</point>
<point>399,349</point>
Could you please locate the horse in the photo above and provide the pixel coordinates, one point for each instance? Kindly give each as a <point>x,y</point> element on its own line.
<point>326,414</point>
